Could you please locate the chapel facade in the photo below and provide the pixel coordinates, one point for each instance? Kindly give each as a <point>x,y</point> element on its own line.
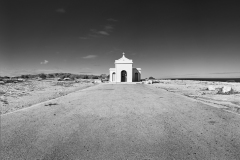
<point>124,71</point>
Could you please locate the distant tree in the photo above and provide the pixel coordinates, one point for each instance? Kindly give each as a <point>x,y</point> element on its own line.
<point>108,76</point>
<point>24,76</point>
<point>86,77</point>
<point>50,76</point>
<point>31,76</point>
<point>90,76</point>
<point>56,74</point>
<point>62,76</point>
<point>73,76</point>
<point>94,77</point>
<point>67,75</point>
<point>151,78</point>
<point>103,76</point>
<point>78,76</point>
<point>43,76</point>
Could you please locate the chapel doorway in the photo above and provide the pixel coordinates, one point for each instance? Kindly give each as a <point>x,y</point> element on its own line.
<point>113,77</point>
<point>123,76</point>
<point>136,77</point>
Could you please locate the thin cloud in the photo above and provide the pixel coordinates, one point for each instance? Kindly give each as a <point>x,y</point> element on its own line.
<point>224,72</point>
<point>103,33</point>
<point>89,56</point>
<point>133,54</point>
<point>60,10</point>
<point>108,27</point>
<point>94,33</point>
<point>85,72</point>
<point>112,20</point>
<point>44,62</point>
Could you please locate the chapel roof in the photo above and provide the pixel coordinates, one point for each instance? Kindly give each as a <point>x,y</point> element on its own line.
<point>123,59</point>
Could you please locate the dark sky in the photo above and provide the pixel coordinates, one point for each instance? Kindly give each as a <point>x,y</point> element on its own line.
<point>164,38</point>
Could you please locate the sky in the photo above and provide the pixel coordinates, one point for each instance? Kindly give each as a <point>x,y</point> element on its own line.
<point>166,39</point>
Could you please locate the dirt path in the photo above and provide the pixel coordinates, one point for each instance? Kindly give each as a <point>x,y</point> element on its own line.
<point>121,122</point>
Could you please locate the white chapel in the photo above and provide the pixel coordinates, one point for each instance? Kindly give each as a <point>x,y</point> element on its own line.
<point>124,71</point>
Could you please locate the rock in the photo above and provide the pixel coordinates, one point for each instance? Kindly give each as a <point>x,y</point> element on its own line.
<point>236,88</point>
<point>211,88</point>
<point>97,81</point>
<point>149,82</point>
<point>226,89</point>
<point>20,79</point>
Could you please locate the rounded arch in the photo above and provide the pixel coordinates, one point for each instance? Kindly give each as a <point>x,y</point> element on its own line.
<point>123,76</point>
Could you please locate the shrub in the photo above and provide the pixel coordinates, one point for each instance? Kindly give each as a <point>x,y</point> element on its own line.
<point>95,77</point>
<point>50,76</point>
<point>103,76</point>
<point>72,76</point>
<point>24,76</point>
<point>43,76</point>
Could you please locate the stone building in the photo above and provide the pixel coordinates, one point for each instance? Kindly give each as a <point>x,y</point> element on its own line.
<point>124,71</point>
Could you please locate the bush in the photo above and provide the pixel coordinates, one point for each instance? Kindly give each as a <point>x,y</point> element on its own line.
<point>50,76</point>
<point>95,77</point>
<point>62,76</point>
<point>73,77</point>
<point>103,76</point>
<point>43,76</point>
<point>24,76</point>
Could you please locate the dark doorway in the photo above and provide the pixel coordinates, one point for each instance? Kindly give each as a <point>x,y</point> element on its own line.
<point>113,77</point>
<point>123,76</point>
<point>136,77</point>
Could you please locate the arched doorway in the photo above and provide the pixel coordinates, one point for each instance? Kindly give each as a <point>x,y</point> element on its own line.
<point>123,76</point>
<point>113,77</point>
<point>136,77</point>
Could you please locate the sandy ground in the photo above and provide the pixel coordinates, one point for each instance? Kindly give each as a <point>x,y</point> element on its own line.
<point>198,90</point>
<point>109,122</point>
<point>14,96</point>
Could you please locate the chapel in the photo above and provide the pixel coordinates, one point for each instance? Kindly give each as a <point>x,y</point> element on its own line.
<point>124,71</point>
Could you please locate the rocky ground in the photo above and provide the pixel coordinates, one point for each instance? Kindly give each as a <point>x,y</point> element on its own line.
<point>14,96</point>
<point>206,92</point>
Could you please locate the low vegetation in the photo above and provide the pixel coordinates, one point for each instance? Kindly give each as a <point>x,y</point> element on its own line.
<point>42,76</point>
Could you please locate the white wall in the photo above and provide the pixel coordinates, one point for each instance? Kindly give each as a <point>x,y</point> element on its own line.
<point>123,66</point>
<point>111,73</point>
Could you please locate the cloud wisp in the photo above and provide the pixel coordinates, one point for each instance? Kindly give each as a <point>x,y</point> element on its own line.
<point>107,29</point>
<point>103,33</point>
<point>89,57</point>
<point>224,73</point>
<point>60,10</point>
<point>44,62</point>
<point>94,33</point>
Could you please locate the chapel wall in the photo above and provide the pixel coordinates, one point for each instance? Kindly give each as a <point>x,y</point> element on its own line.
<point>123,66</point>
